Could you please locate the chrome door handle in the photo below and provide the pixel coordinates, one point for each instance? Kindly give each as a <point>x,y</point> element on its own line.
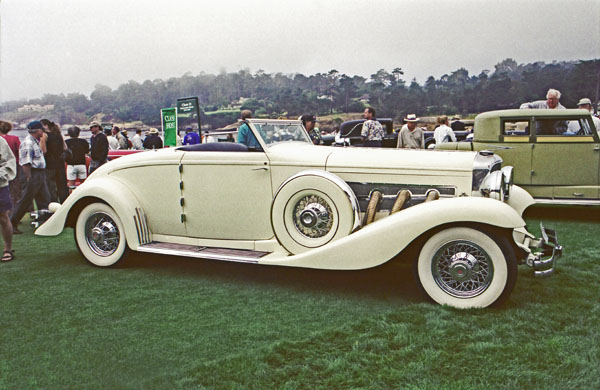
<point>597,148</point>
<point>261,169</point>
<point>577,194</point>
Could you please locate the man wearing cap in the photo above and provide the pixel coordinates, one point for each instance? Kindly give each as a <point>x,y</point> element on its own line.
<point>191,137</point>
<point>551,102</point>
<point>584,104</point>
<point>410,136</point>
<point>153,140</point>
<point>372,131</point>
<point>31,158</point>
<point>457,124</point>
<point>99,148</point>
<point>309,122</point>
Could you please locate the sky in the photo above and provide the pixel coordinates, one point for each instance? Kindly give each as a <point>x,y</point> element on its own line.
<point>64,46</point>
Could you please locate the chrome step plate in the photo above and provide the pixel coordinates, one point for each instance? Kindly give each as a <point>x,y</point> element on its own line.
<point>204,252</point>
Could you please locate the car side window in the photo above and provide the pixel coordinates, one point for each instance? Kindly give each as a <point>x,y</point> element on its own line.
<point>518,127</point>
<point>563,127</point>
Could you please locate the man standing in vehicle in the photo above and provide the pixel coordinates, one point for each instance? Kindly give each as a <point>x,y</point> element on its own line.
<point>99,149</point>
<point>372,131</point>
<point>309,122</point>
<point>245,135</point>
<point>551,102</point>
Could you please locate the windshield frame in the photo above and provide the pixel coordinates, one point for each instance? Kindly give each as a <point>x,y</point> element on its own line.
<point>256,123</point>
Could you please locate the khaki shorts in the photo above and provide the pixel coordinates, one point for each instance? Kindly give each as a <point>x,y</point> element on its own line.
<point>76,172</point>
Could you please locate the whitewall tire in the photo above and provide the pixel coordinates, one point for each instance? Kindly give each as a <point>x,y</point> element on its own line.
<point>99,235</point>
<point>465,268</point>
<point>310,211</point>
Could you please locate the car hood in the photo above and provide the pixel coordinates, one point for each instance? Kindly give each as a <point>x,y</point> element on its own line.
<point>434,162</point>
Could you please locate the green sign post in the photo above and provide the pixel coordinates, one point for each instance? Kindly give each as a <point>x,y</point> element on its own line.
<point>169,125</point>
<point>188,111</point>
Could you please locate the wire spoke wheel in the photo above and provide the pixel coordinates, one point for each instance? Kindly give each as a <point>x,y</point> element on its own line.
<point>462,269</point>
<point>102,234</point>
<point>466,268</point>
<point>313,216</point>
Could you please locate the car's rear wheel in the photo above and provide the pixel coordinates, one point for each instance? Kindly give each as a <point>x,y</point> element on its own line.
<point>466,268</point>
<point>99,235</point>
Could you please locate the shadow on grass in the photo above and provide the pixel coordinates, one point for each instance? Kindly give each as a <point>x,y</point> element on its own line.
<point>391,280</point>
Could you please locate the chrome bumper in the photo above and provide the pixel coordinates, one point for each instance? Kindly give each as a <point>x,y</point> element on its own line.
<point>39,217</point>
<point>549,251</point>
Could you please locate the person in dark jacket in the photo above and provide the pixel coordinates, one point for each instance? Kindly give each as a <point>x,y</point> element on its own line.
<point>99,149</point>
<point>55,162</point>
<point>152,140</point>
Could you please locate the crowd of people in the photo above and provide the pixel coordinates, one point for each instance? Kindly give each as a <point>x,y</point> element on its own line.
<point>34,169</point>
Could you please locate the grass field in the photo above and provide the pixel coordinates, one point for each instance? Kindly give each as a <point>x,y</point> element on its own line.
<point>161,322</point>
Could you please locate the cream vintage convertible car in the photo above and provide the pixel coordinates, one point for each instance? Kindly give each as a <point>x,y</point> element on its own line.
<point>291,203</point>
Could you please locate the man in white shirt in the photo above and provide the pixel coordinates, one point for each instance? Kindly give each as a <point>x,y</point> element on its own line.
<point>551,102</point>
<point>136,141</point>
<point>584,104</point>
<point>113,142</point>
<point>443,133</point>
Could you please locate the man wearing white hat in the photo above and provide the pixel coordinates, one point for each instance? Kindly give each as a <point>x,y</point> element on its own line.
<point>586,104</point>
<point>410,136</point>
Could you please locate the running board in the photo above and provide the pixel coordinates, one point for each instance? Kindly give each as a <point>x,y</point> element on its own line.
<point>204,252</point>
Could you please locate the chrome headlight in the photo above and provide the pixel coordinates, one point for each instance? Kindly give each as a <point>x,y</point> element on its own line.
<point>484,163</point>
<point>494,185</point>
<point>508,181</point>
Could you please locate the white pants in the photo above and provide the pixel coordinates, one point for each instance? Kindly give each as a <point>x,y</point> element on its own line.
<point>76,172</point>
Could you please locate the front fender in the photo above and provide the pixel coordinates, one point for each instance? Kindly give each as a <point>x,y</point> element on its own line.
<point>112,192</point>
<point>385,238</point>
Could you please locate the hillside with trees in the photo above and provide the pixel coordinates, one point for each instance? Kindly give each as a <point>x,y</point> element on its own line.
<point>290,95</point>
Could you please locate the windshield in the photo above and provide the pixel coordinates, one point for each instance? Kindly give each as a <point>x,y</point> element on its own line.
<point>276,133</point>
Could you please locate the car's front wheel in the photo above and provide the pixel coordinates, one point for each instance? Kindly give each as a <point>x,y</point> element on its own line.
<point>466,268</point>
<point>99,235</point>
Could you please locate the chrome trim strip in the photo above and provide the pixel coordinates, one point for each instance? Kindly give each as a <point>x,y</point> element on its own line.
<point>571,202</point>
<point>335,180</point>
<point>173,252</point>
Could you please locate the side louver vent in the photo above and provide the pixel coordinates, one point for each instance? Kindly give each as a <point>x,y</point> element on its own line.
<point>141,226</point>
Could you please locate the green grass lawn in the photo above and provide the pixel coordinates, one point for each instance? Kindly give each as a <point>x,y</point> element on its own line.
<point>162,322</point>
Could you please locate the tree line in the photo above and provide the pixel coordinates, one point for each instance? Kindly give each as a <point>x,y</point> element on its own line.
<point>291,95</point>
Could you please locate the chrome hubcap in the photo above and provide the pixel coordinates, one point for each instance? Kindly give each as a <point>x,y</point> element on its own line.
<point>312,216</point>
<point>102,234</point>
<point>462,269</point>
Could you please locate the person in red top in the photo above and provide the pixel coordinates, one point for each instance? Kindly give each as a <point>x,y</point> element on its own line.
<point>14,143</point>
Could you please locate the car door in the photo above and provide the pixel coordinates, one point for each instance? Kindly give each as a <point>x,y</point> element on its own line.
<point>516,148</point>
<point>566,157</point>
<point>227,195</point>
